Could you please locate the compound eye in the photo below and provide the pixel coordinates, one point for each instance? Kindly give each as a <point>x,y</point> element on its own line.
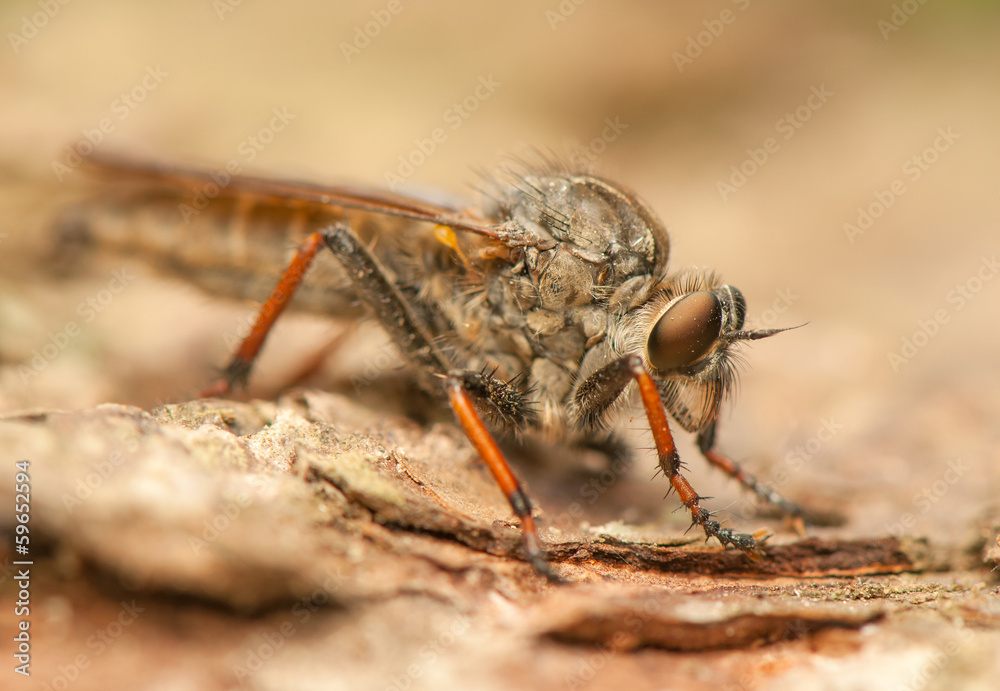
<point>686,331</point>
<point>737,307</point>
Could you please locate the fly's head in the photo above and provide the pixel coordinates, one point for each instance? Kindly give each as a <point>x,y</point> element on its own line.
<point>688,333</point>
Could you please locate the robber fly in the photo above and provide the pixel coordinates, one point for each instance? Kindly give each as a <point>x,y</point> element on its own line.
<point>536,312</point>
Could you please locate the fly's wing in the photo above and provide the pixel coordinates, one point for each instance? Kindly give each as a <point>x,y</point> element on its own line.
<point>233,234</point>
<point>266,190</point>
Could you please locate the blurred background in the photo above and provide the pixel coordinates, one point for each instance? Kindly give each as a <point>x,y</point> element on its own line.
<point>837,162</point>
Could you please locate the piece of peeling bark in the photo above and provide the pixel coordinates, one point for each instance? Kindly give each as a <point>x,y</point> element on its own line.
<point>254,504</point>
<point>163,507</point>
<point>811,557</point>
<point>176,502</point>
<point>688,622</point>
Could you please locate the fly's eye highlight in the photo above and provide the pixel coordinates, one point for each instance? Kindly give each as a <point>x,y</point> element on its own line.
<point>686,331</point>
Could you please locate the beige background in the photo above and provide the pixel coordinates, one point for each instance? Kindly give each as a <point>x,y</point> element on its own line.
<point>561,78</point>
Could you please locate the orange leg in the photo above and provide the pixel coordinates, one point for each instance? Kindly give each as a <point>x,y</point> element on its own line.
<point>238,369</point>
<point>491,454</point>
<point>671,464</point>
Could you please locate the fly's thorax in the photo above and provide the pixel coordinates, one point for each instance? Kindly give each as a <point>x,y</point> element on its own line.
<point>599,246</point>
<point>609,231</point>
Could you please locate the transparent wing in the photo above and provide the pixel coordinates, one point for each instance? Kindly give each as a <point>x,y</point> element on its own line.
<point>296,193</point>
